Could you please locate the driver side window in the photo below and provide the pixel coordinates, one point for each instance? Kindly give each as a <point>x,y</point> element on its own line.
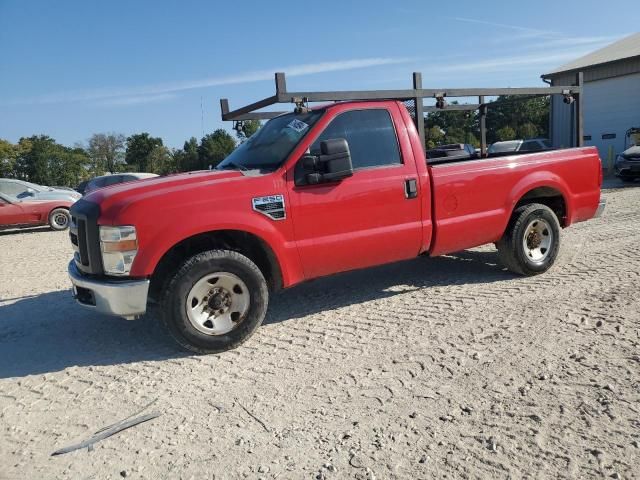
<point>371,136</point>
<point>12,188</point>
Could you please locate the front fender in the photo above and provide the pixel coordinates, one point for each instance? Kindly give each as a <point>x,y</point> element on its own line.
<point>154,244</point>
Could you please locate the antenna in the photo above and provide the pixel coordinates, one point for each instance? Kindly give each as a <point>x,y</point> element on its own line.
<point>201,116</point>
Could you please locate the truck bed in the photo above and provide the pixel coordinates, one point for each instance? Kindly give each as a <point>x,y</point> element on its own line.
<point>473,199</point>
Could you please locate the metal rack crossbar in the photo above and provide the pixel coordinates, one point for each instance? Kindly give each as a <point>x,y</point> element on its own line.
<point>572,95</point>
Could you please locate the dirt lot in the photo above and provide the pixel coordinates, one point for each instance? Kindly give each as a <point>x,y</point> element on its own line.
<point>446,367</point>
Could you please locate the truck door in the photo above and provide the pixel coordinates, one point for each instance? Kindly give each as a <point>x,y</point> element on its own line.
<point>371,218</point>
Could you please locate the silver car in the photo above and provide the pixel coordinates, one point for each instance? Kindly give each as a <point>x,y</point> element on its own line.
<point>113,179</point>
<point>514,147</point>
<point>25,190</point>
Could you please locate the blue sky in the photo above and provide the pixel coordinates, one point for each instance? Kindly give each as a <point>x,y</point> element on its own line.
<point>72,68</point>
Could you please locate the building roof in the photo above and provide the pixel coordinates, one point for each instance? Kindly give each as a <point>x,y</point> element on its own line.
<point>628,47</point>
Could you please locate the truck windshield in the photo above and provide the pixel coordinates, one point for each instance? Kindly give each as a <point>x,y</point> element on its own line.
<point>271,144</point>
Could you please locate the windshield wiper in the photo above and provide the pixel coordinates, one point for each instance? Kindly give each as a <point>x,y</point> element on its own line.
<point>234,165</point>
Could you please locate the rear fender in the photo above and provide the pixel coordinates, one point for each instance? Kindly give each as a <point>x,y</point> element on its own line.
<point>535,180</point>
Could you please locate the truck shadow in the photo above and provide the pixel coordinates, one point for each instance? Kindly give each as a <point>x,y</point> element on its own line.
<point>462,268</point>
<point>614,183</point>
<point>24,231</point>
<point>49,332</point>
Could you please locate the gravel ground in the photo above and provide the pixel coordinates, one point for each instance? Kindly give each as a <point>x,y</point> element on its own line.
<point>445,367</point>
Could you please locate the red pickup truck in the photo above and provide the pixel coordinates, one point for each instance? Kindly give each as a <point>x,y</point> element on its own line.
<point>312,193</point>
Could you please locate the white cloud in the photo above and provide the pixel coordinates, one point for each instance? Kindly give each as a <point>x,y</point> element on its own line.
<point>505,63</point>
<point>135,100</point>
<point>543,38</point>
<point>525,49</point>
<point>167,88</point>
<point>532,32</point>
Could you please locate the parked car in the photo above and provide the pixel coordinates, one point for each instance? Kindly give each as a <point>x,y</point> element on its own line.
<point>452,152</point>
<point>113,179</point>
<point>31,212</point>
<point>82,187</point>
<point>22,190</point>
<point>314,192</point>
<point>512,147</point>
<point>627,164</point>
<point>68,189</point>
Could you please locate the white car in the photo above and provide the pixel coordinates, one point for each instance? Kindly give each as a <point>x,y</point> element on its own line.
<point>26,190</point>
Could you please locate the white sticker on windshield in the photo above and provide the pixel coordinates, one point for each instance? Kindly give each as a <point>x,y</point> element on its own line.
<point>298,125</point>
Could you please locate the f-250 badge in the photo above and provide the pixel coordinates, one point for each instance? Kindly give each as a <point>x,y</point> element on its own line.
<point>272,206</point>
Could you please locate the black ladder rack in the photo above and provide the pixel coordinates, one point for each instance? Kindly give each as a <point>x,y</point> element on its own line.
<point>572,95</point>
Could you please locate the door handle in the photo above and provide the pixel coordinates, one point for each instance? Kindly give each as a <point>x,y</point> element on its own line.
<point>410,188</point>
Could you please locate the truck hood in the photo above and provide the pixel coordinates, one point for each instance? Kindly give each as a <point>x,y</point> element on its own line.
<point>119,196</point>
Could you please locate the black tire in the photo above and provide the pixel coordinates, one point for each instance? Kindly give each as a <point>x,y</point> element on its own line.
<point>628,179</point>
<point>173,305</point>
<point>59,219</point>
<point>511,249</point>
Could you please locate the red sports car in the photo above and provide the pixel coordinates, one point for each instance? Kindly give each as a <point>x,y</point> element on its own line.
<point>16,212</point>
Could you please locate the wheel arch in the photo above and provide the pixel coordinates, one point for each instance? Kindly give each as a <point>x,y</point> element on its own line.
<point>248,244</point>
<point>549,196</point>
<point>546,188</point>
<point>64,207</point>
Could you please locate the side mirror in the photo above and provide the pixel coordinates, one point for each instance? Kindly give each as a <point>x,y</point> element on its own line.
<point>333,164</point>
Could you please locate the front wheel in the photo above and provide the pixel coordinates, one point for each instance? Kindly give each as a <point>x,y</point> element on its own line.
<point>531,242</point>
<point>59,219</point>
<point>215,301</point>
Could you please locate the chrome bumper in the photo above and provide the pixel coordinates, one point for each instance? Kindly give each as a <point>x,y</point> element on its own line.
<point>127,298</point>
<point>601,205</point>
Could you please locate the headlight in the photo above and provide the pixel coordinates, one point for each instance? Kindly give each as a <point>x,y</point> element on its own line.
<point>119,246</point>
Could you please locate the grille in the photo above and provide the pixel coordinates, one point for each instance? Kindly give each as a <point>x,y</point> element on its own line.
<point>82,242</point>
<point>84,237</point>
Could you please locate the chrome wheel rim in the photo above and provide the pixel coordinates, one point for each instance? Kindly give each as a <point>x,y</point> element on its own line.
<point>61,220</point>
<point>217,303</point>
<point>537,241</point>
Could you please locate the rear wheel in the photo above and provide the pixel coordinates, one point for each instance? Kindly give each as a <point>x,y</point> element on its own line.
<point>215,301</point>
<point>59,219</point>
<point>531,242</point>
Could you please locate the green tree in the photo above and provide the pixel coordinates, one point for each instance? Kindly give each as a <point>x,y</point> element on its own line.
<point>249,127</point>
<point>527,130</point>
<point>455,126</point>
<point>67,166</point>
<point>161,161</point>
<point>41,160</point>
<point>139,147</point>
<point>215,147</point>
<point>526,117</point>
<point>434,136</point>
<point>34,157</point>
<point>187,158</point>
<point>8,155</point>
<point>516,112</point>
<point>505,133</point>
<point>106,151</point>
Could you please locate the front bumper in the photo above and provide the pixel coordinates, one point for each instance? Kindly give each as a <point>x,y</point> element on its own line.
<point>626,168</point>
<point>600,210</point>
<point>123,298</point>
